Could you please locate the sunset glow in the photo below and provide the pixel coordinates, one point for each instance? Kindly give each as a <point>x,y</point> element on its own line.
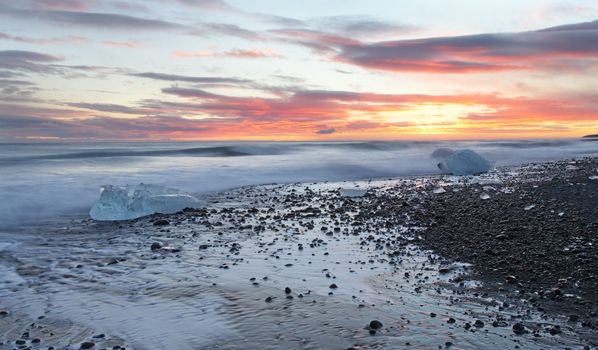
<point>238,70</point>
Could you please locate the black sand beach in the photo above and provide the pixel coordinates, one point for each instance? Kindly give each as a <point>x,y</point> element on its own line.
<point>539,240</point>
<point>502,260</point>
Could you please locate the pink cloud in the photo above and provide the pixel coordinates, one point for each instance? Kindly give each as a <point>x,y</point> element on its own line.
<point>236,53</point>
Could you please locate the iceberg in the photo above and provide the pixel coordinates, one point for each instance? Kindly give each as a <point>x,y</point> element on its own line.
<point>465,162</point>
<point>442,153</point>
<point>134,201</point>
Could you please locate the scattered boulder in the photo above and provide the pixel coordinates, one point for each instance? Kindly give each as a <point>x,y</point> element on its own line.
<point>375,324</point>
<point>87,345</point>
<point>161,222</point>
<point>518,328</point>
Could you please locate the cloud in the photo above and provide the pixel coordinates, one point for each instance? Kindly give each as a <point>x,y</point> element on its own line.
<point>75,40</point>
<point>75,5</point>
<point>549,48</point>
<point>29,56</point>
<point>125,44</point>
<point>338,108</point>
<point>27,61</point>
<point>16,89</point>
<point>326,131</point>
<point>190,79</point>
<point>189,92</point>
<point>16,122</point>
<point>222,6</point>
<point>214,5</point>
<point>108,107</point>
<point>210,29</point>
<point>105,21</point>
<point>115,22</point>
<point>255,53</point>
<point>205,114</point>
<point>7,74</point>
<point>7,82</point>
<point>68,40</point>
<point>476,53</point>
<point>360,26</point>
<point>236,53</point>
<point>318,41</point>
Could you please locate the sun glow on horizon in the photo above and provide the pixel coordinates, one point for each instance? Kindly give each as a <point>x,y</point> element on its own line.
<point>347,72</point>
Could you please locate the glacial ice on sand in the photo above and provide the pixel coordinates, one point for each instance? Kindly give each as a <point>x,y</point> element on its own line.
<point>133,201</point>
<point>465,162</point>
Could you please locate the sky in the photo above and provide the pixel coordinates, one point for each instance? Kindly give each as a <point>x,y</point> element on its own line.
<point>297,70</point>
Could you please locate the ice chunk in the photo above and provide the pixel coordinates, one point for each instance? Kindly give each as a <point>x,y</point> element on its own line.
<point>439,190</point>
<point>442,153</point>
<point>484,195</point>
<point>593,177</point>
<point>465,162</point>
<point>130,202</point>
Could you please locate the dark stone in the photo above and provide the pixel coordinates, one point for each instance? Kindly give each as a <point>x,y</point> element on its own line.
<point>161,222</point>
<point>375,324</point>
<point>518,328</point>
<point>333,286</point>
<point>87,345</point>
<point>511,279</point>
<point>478,324</point>
<point>287,290</point>
<point>444,269</point>
<point>156,246</point>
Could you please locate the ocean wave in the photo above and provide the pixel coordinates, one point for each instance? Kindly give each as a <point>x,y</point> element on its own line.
<point>238,150</point>
<point>217,151</point>
<point>527,144</point>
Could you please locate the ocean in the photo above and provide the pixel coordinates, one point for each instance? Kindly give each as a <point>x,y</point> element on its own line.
<point>54,182</point>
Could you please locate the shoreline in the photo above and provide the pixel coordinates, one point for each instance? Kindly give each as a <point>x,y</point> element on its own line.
<point>224,269</point>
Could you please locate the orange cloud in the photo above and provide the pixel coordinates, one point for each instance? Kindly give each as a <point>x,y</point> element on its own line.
<point>328,115</point>
<point>125,44</point>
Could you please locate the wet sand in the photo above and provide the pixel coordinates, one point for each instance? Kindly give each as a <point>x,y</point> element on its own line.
<point>310,266</point>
